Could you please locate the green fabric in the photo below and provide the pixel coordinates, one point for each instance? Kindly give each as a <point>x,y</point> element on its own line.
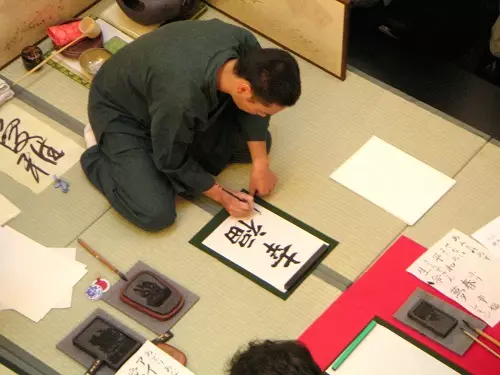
<point>163,87</point>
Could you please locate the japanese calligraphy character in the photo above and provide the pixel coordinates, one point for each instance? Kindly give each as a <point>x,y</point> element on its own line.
<point>437,257</point>
<point>459,293</point>
<point>272,249</point>
<point>47,153</point>
<point>469,284</point>
<point>482,299</point>
<point>494,306</point>
<point>244,237</point>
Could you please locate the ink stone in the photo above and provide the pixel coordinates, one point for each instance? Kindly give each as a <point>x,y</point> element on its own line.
<point>104,341</point>
<point>153,296</point>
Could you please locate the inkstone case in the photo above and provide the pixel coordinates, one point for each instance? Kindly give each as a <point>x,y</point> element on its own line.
<point>152,295</point>
<point>432,318</point>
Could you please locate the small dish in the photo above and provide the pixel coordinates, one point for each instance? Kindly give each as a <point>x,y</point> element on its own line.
<point>92,59</point>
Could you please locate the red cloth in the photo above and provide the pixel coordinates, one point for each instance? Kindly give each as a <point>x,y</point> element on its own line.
<point>64,34</point>
<point>381,291</point>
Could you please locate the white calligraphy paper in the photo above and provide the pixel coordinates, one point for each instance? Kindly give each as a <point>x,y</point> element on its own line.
<point>7,210</point>
<point>70,254</point>
<point>42,278</point>
<point>151,360</point>
<point>393,180</point>
<point>489,236</point>
<point>268,246</point>
<point>463,270</point>
<point>31,151</point>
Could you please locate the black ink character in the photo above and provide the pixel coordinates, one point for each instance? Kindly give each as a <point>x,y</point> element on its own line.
<point>459,293</point>
<point>494,306</point>
<point>244,237</point>
<point>14,140</point>
<point>29,166</point>
<point>482,299</point>
<point>469,284</point>
<point>47,153</point>
<point>155,295</point>
<point>272,249</point>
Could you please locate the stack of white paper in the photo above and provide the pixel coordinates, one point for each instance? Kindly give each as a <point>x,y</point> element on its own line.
<point>7,210</point>
<point>35,279</point>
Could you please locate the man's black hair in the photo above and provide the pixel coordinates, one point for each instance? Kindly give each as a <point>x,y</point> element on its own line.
<point>273,358</point>
<point>273,75</point>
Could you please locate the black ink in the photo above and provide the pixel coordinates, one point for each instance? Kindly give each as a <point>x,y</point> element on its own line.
<point>29,166</point>
<point>16,141</point>
<point>469,284</point>
<point>155,295</point>
<point>272,249</point>
<point>244,237</point>
<point>47,153</point>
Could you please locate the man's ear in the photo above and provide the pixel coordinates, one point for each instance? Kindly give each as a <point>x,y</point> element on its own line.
<point>244,89</point>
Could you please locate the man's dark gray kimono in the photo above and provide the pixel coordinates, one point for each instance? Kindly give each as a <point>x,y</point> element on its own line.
<point>162,126</point>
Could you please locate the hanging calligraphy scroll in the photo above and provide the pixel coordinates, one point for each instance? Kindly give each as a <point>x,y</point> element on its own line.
<point>316,30</point>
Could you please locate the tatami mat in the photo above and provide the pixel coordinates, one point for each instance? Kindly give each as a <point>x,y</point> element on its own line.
<point>332,120</point>
<point>232,310</point>
<point>471,204</point>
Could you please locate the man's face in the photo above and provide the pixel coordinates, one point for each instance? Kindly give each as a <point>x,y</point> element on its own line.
<point>247,102</point>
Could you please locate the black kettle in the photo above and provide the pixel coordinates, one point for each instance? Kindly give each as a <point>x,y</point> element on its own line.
<point>150,12</point>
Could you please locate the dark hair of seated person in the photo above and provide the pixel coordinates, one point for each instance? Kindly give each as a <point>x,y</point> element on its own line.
<point>274,75</point>
<point>273,358</point>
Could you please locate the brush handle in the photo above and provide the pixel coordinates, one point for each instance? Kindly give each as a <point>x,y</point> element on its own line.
<point>483,345</point>
<point>488,337</point>
<point>50,58</point>
<point>95,366</point>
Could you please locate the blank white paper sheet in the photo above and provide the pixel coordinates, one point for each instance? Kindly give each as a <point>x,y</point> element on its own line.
<point>384,352</point>
<point>393,180</point>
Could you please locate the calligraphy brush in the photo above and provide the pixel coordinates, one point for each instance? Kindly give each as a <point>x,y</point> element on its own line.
<point>98,256</point>
<point>482,333</point>
<point>240,199</point>
<point>467,333</point>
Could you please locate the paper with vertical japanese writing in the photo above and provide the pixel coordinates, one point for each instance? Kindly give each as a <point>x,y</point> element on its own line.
<point>267,245</point>
<point>151,360</point>
<point>464,271</point>
<point>7,210</point>
<point>489,236</point>
<point>31,151</point>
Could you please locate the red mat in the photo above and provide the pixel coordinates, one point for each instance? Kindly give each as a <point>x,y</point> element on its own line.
<point>381,291</point>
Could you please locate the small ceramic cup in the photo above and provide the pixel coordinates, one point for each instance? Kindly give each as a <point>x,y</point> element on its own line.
<point>31,56</point>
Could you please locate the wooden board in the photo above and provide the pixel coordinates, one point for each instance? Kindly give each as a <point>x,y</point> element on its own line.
<point>316,30</point>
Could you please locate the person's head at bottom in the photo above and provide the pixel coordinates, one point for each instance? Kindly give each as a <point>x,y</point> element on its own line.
<point>273,358</point>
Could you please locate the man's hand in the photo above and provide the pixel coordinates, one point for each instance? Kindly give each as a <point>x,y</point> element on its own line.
<point>241,207</point>
<point>262,180</point>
